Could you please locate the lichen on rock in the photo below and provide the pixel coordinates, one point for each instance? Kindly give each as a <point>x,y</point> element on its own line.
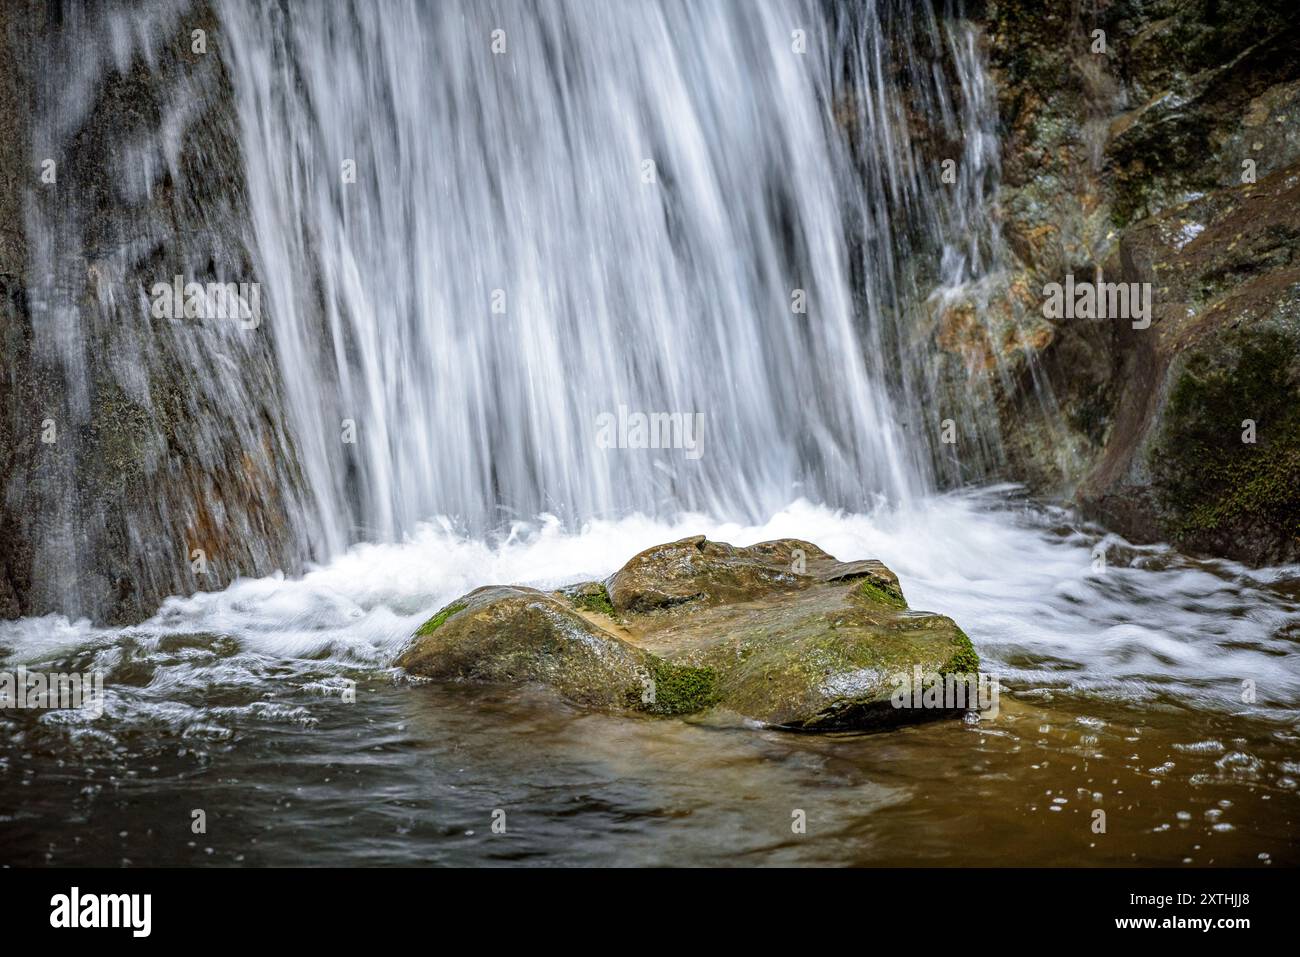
<point>780,633</point>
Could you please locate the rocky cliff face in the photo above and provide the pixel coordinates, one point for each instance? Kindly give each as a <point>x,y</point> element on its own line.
<point>14,323</point>
<point>124,481</point>
<point>1164,149</point>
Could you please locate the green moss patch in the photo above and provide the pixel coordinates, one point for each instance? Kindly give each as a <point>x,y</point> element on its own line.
<point>1210,482</point>
<point>594,598</point>
<point>881,594</point>
<point>437,621</point>
<point>682,689</point>
<point>964,661</point>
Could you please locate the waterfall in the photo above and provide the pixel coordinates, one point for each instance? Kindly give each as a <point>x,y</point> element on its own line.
<point>483,226</point>
<point>486,238</point>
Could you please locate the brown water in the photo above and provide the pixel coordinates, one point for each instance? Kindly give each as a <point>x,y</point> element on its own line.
<point>413,774</point>
<point>1124,697</point>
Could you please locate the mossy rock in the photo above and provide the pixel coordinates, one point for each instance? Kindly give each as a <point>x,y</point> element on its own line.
<point>1220,492</point>
<point>437,621</point>
<point>590,596</point>
<point>681,689</point>
<point>780,633</point>
<point>697,570</point>
<point>504,634</point>
<point>826,658</point>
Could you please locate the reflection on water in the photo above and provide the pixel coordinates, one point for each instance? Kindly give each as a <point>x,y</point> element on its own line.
<point>1126,698</point>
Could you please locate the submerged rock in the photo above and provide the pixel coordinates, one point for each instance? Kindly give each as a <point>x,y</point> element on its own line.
<point>780,633</point>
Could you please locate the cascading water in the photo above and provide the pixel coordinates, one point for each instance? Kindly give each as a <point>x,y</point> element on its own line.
<point>480,231</point>
<point>482,226</point>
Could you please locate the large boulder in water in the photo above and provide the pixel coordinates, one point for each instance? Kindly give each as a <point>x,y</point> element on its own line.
<point>510,634</point>
<point>780,633</point>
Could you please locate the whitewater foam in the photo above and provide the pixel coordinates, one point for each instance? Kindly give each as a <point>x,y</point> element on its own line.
<point>1021,580</point>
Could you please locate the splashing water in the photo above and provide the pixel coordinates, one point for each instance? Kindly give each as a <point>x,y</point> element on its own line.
<point>1024,582</point>
<point>641,206</point>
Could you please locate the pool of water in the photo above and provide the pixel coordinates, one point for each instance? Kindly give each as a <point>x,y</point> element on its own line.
<point>1150,715</point>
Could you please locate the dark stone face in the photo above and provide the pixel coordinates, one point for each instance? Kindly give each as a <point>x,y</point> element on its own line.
<point>1172,160</point>
<point>126,460</point>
